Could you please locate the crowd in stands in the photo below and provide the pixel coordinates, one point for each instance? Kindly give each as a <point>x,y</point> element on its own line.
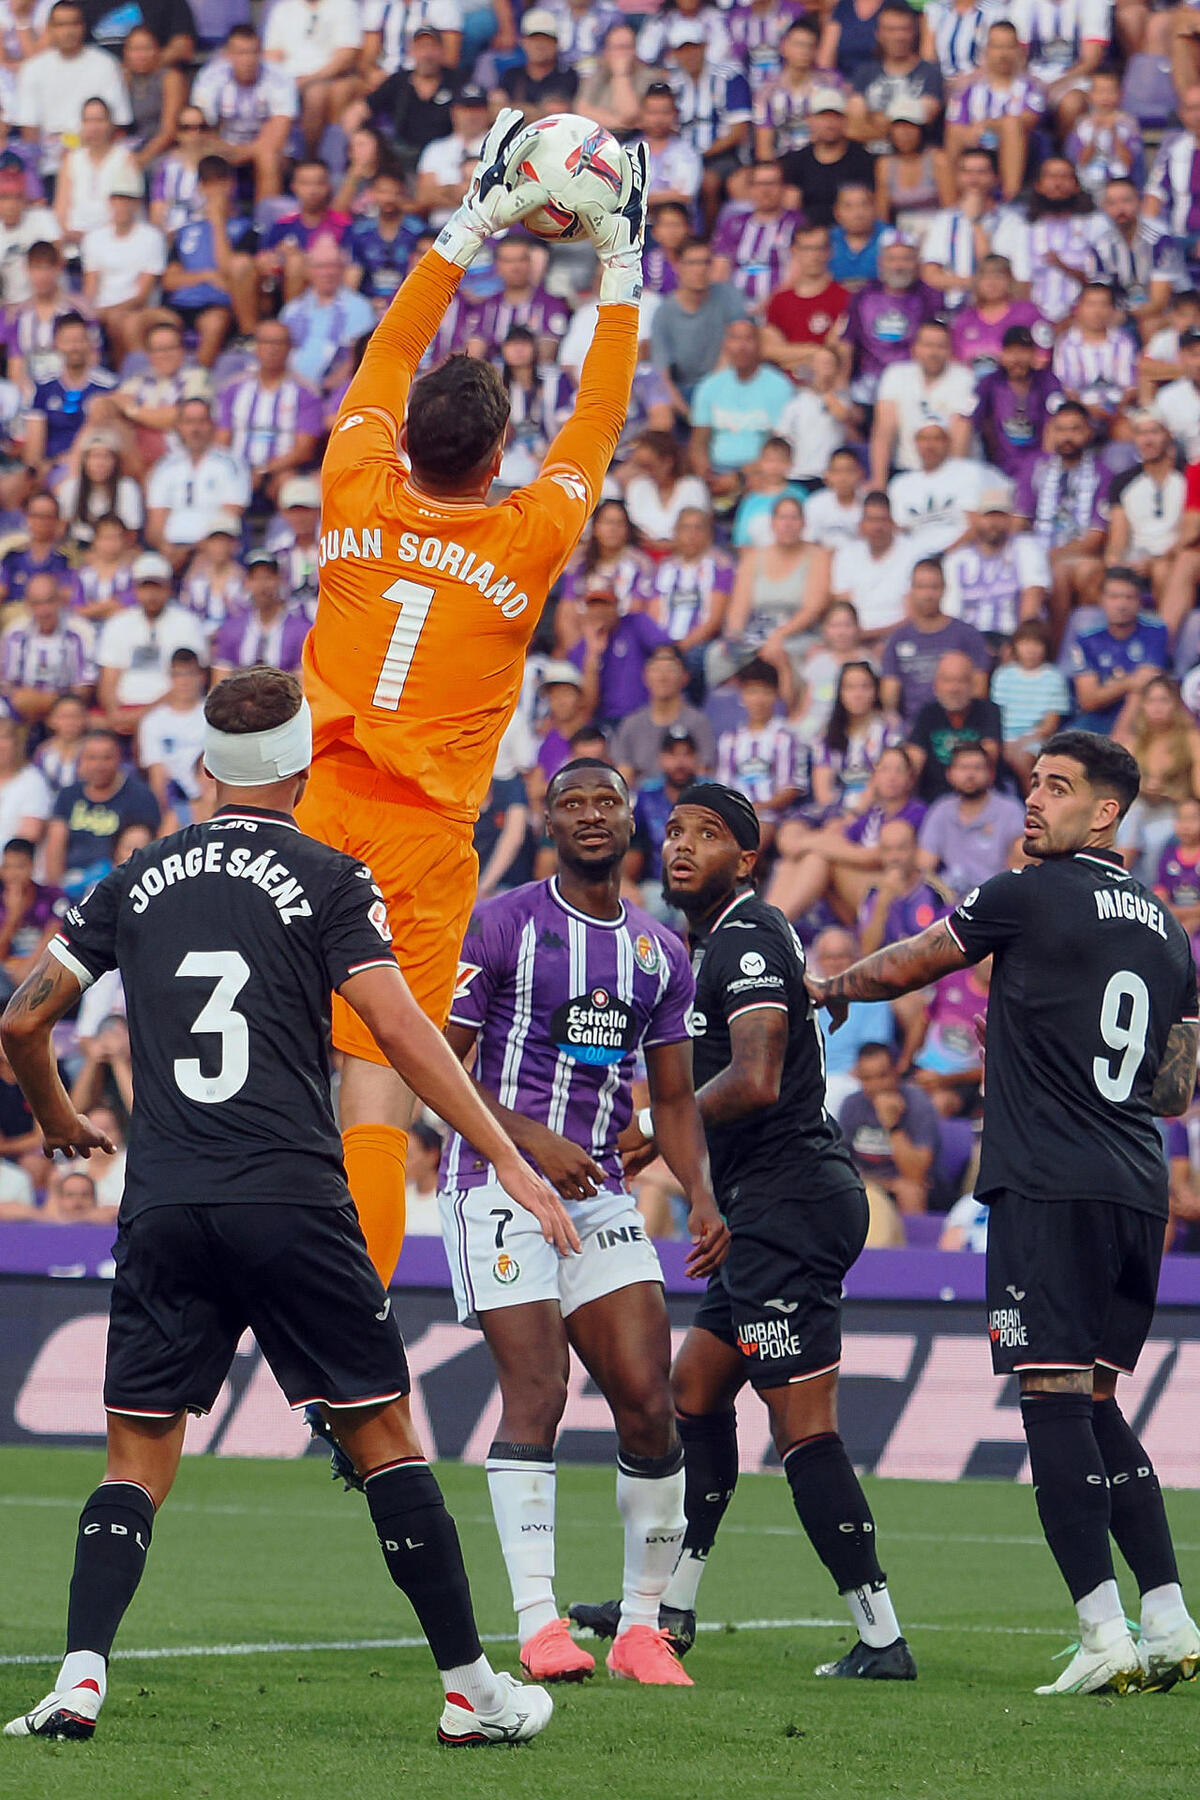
<point>911,474</point>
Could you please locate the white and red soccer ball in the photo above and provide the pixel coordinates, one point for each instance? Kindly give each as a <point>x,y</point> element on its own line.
<point>576,161</point>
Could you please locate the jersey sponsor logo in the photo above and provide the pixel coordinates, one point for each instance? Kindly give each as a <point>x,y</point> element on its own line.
<point>1125,903</point>
<point>619,1234</point>
<point>968,900</point>
<point>348,424</point>
<point>506,1269</point>
<point>752,963</point>
<point>783,1306</point>
<point>378,916</point>
<point>594,1028</point>
<point>771,1339</point>
<point>467,971</point>
<point>645,953</point>
<point>695,1022</point>
<point>1017,1293</point>
<point>1006,1328</point>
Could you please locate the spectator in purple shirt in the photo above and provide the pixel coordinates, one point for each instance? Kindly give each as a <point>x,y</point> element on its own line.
<point>885,316</point>
<point>41,554</point>
<point>751,241</point>
<point>45,656</point>
<point>29,913</point>
<point>520,302</point>
<point>267,632</point>
<point>902,902</point>
<point>268,418</point>
<point>968,835</point>
<point>612,654</point>
<point>561,688</point>
<point>913,651</point>
<point>1014,402</point>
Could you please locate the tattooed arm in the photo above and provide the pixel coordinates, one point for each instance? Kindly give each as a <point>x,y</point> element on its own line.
<point>49,992</point>
<point>897,969</point>
<point>1175,1082</point>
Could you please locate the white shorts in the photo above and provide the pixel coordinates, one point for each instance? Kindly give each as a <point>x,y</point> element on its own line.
<point>498,1256</point>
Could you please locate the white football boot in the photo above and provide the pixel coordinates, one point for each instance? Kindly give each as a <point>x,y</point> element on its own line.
<point>1170,1657</point>
<point>71,1713</point>
<point>522,1713</point>
<point>1112,1668</point>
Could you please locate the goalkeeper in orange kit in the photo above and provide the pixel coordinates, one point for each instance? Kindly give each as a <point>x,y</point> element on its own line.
<point>428,600</point>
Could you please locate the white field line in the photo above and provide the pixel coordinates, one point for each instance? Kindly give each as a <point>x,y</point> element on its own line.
<point>175,1652</point>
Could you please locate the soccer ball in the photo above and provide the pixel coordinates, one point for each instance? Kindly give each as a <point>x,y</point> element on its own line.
<point>575,160</point>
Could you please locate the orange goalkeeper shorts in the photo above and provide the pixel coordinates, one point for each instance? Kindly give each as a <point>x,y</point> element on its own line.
<point>424,863</point>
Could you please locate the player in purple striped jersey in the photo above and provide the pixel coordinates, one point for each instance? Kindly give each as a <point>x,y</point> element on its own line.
<point>559,987</point>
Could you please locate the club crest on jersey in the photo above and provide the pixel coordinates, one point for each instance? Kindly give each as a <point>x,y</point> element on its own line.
<point>594,1028</point>
<point>645,953</point>
<point>506,1269</point>
<point>587,156</point>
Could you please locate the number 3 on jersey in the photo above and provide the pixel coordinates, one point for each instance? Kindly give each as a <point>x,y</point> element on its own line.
<point>217,1016</point>
<point>413,601</point>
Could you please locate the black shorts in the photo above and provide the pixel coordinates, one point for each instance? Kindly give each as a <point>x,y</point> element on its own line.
<point>778,1295</point>
<point>191,1279</point>
<point>1070,1283</point>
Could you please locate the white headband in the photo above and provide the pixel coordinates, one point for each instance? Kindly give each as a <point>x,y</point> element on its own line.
<point>256,758</point>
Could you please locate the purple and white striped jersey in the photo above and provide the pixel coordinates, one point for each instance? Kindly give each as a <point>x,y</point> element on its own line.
<point>959,38</point>
<point>49,660</point>
<point>981,100</point>
<point>631,575</point>
<point>986,590</point>
<point>31,337</point>
<point>562,1003</point>
<point>237,112</point>
<point>684,591</point>
<point>176,186</point>
<point>266,421</point>
<point>754,38</point>
<point>95,589</point>
<point>758,763</point>
<point>1070,239</point>
<point>396,20</point>
<point>1099,373</point>
<point>787,110</point>
<point>211,604</point>
<point>580,35</point>
<point>1053,32</point>
<point>1174,181</point>
<point>757,248</point>
<point>544,314</point>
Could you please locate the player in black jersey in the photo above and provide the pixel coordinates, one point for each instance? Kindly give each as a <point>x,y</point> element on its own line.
<point>797,1216</point>
<point>230,937</point>
<point>1091,1035</point>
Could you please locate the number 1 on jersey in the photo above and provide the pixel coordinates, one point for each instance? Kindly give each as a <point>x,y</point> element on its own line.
<point>413,601</point>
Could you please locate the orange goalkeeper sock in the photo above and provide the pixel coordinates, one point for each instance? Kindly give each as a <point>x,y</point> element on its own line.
<point>375,1157</point>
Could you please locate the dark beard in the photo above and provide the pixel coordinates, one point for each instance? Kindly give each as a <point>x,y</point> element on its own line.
<point>1055,208</point>
<point>697,903</point>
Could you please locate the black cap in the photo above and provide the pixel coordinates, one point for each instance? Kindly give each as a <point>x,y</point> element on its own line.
<point>10,163</point>
<point>678,734</point>
<point>729,805</point>
<point>257,557</point>
<point>1187,338</point>
<point>1018,337</point>
<point>469,95</point>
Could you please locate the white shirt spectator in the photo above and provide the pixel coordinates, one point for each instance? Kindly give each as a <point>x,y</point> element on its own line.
<point>25,795</point>
<point>119,261</point>
<point>1178,406</point>
<point>176,740</point>
<point>812,431</point>
<point>52,90</point>
<point>674,169</point>
<point>1153,511</point>
<point>577,338</point>
<point>302,35</point>
<point>1053,32</point>
<point>827,522</point>
<point>36,225</point>
<point>91,184</point>
<point>951,395</point>
<point>239,113</point>
<point>656,518</point>
<point>142,649</point>
<point>875,585</point>
<point>446,159</point>
<point>931,507</point>
<point>192,492</point>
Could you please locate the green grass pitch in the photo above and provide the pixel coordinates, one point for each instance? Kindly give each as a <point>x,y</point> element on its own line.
<point>266,1554</point>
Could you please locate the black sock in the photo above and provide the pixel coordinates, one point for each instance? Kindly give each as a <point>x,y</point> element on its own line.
<point>1071,1487</point>
<point>1139,1518</point>
<point>710,1472</point>
<point>421,1549</point>
<point>110,1554</point>
<point>833,1510</point>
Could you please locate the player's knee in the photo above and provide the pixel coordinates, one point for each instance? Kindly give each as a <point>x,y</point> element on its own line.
<point>533,1406</point>
<point>646,1423</point>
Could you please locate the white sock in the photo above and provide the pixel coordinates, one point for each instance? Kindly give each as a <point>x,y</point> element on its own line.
<point>651,1506</point>
<point>1163,1610</point>
<point>685,1580</point>
<point>475,1683</point>
<point>874,1615</point>
<point>1101,1617</point>
<point>82,1665</point>
<point>522,1491</point>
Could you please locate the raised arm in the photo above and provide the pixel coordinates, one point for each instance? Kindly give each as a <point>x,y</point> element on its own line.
<point>1175,1082</point>
<point>897,969</point>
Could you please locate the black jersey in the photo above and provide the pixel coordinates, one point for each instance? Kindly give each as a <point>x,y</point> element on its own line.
<point>793,1150</point>
<point>229,937</point>
<point>1090,974</point>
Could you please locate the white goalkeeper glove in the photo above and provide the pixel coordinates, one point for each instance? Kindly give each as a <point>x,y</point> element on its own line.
<point>617,237</point>
<point>490,205</point>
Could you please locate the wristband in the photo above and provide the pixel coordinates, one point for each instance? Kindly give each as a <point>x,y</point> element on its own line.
<point>645,1122</point>
<point>620,279</point>
<point>461,239</point>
